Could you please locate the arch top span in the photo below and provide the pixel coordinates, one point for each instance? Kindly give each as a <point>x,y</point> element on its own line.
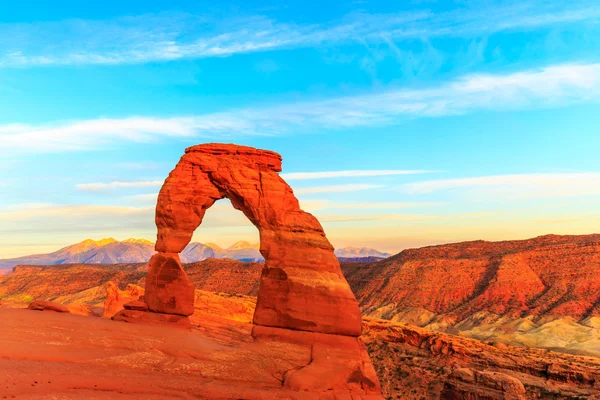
<point>301,285</point>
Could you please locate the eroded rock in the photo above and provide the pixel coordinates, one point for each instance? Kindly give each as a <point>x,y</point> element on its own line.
<point>301,285</point>
<point>116,298</point>
<point>335,363</point>
<point>136,305</point>
<point>42,305</point>
<point>152,318</point>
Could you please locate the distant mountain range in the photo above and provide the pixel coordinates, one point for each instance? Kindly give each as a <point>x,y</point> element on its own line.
<point>111,251</point>
<point>360,252</point>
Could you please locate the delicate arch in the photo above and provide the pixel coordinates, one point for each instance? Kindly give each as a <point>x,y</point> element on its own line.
<point>301,285</point>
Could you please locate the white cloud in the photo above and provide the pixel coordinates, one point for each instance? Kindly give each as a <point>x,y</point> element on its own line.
<point>320,204</point>
<point>336,188</point>
<point>348,174</point>
<point>42,210</point>
<point>518,185</point>
<point>551,86</point>
<point>150,198</point>
<point>383,205</point>
<point>95,187</point>
<point>171,36</point>
<point>88,134</point>
<point>142,165</point>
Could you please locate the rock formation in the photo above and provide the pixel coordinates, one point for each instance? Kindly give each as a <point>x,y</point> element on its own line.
<point>43,305</point>
<point>415,363</point>
<point>116,298</point>
<point>480,282</point>
<point>301,284</point>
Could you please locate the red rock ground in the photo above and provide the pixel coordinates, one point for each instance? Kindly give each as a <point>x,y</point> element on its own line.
<point>49,355</point>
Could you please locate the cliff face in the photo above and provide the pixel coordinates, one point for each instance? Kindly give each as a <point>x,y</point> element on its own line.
<point>416,363</point>
<point>545,276</point>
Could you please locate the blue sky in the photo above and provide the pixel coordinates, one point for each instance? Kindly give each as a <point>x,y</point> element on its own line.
<point>400,125</point>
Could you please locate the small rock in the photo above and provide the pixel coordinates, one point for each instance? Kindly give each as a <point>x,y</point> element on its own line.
<point>152,318</point>
<point>136,305</point>
<point>42,305</point>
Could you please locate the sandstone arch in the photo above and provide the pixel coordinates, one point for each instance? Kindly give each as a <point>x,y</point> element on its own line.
<point>301,286</point>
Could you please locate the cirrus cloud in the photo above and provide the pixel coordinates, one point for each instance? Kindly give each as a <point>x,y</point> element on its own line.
<point>551,86</point>
<point>96,187</point>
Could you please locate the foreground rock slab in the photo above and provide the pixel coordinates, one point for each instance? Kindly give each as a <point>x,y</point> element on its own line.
<point>43,305</point>
<point>66,356</point>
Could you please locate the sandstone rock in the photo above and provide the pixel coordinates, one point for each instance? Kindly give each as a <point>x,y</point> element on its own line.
<point>42,305</point>
<point>466,383</point>
<point>337,363</point>
<point>152,318</point>
<point>116,298</point>
<point>548,276</point>
<point>301,285</point>
<point>136,305</point>
<point>168,289</point>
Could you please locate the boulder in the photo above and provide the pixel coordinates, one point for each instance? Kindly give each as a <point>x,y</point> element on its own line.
<point>152,318</point>
<point>42,305</point>
<point>168,288</point>
<point>136,305</point>
<point>116,298</point>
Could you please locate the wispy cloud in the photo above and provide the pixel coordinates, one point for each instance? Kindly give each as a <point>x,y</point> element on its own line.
<point>149,198</point>
<point>337,188</point>
<point>37,210</point>
<point>551,86</point>
<point>173,36</point>
<point>96,187</point>
<point>349,174</point>
<point>383,205</point>
<point>320,205</point>
<point>142,165</point>
<point>78,135</point>
<point>518,185</point>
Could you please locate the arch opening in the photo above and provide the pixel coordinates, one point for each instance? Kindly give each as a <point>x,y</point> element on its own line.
<point>225,233</point>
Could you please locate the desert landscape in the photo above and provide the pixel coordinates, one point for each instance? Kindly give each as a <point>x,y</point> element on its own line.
<point>300,200</point>
<point>418,351</point>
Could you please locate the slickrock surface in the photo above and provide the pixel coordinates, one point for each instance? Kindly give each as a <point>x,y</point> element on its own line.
<point>412,363</point>
<point>301,284</point>
<point>64,356</point>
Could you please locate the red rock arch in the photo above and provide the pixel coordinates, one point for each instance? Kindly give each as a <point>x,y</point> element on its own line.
<point>301,285</point>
